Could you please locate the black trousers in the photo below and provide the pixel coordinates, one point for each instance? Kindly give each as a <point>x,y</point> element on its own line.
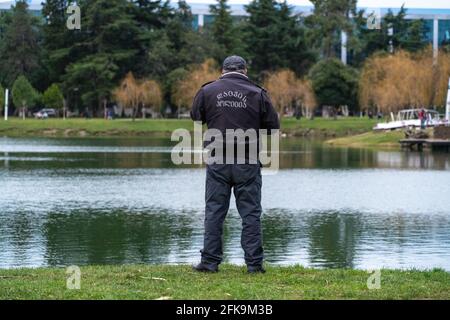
<point>246,182</point>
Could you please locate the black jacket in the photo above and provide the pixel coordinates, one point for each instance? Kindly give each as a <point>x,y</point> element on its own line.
<point>234,102</point>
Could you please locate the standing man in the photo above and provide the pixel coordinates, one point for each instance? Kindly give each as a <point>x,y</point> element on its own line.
<point>233,102</point>
<point>422,118</point>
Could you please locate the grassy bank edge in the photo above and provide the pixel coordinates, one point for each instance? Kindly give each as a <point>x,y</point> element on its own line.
<point>232,282</point>
<point>389,139</point>
<point>318,127</point>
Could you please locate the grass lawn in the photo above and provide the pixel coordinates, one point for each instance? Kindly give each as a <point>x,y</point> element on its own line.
<point>82,127</point>
<point>232,282</point>
<point>18,127</point>
<point>339,127</point>
<point>370,139</point>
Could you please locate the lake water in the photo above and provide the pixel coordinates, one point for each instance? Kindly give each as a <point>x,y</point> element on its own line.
<point>122,201</point>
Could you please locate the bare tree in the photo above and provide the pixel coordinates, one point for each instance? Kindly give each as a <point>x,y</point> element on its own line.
<point>307,98</point>
<point>404,80</point>
<point>132,93</point>
<point>128,93</point>
<point>441,77</point>
<point>151,95</point>
<point>287,91</point>
<point>184,91</point>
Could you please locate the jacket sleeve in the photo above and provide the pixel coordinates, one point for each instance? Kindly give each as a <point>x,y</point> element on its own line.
<point>269,117</point>
<point>198,107</point>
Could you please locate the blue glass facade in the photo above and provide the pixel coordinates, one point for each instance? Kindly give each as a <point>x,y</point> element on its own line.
<point>429,30</point>
<point>444,32</point>
<point>195,22</point>
<point>208,19</point>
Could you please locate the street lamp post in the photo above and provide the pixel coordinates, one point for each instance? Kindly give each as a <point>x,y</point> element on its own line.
<point>6,104</point>
<point>390,34</point>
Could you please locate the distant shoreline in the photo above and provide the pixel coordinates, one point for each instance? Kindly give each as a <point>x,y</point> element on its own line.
<point>77,127</point>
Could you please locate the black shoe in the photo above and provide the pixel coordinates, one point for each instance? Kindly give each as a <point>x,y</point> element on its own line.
<point>202,267</point>
<point>255,269</point>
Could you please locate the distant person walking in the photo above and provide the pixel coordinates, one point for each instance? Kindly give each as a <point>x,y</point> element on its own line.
<point>233,102</point>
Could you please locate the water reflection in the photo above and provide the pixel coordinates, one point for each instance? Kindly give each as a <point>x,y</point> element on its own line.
<point>333,238</point>
<point>114,201</point>
<point>319,239</point>
<point>155,153</point>
<point>89,237</point>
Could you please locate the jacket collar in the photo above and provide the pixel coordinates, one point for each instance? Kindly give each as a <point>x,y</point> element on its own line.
<point>233,74</point>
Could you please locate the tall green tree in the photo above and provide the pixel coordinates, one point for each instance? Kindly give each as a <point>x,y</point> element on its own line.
<point>53,97</point>
<point>19,51</point>
<point>180,25</point>
<point>334,83</point>
<point>329,19</point>
<point>110,43</point>
<point>406,34</point>
<point>224,32</point>
<point>151,14</point>
<point>151,17</point>
<point>5,19</point>
<point>177,46</point>
<point>275,38</point>
<point>57,39</point>
<point>2,97</point>
<point>23,94</point>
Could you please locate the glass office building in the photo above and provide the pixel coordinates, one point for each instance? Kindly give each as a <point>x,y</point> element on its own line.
<point>444,31</point>
<point>437,20</point>
<point>34,5</point>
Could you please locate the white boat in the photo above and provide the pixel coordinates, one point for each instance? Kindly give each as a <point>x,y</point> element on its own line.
<point>410,119</point>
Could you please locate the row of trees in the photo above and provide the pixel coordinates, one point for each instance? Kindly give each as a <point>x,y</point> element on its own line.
<point>25,96</point>
<point>146,54</point>
<point>404,79</point>
<point>385,83</point>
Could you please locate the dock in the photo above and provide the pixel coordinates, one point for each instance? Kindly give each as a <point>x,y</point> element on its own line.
<point>420,144</point>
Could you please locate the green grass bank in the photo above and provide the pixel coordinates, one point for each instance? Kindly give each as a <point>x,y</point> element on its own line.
<point>232,282</point>
<point>15,127</point>
<point>389,139</point>
<point>319,127</point>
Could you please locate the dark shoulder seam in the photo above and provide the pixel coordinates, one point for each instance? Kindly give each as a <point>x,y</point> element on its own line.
<point>261,87</point>
<point>207,83</point>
